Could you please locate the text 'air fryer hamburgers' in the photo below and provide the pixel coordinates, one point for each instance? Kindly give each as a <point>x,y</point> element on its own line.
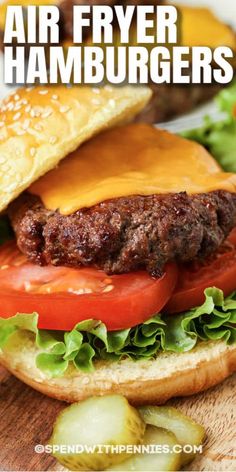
<point>114,224</point>
<point>198,26</point>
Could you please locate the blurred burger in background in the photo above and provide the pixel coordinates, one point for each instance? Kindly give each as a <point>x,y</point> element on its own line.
<point>199,27</point>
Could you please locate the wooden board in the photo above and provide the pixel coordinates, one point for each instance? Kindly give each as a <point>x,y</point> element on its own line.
<point>27,418</point>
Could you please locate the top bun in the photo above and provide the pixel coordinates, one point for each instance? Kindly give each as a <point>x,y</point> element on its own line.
<point>39,126</point>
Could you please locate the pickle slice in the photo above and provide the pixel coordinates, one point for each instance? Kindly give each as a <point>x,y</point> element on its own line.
<point>97,421</point>
<point>166,459</point>
<point>185,429</point>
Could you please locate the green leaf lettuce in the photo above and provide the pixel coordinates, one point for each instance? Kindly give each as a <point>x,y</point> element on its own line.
<point>220,137</point>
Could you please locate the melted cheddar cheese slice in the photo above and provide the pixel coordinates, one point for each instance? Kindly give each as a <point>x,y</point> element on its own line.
<point>200,27</point>
<point>135,159</point>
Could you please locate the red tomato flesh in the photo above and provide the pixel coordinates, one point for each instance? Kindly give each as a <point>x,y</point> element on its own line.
<point>64,296</point>
<point>219,270</point>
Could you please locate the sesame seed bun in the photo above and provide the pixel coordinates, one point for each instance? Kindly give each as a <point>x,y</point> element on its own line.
<point>39,126</point>
<point>142,382</point>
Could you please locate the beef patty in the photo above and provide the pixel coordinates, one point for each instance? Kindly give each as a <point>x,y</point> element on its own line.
<point>125,234</point>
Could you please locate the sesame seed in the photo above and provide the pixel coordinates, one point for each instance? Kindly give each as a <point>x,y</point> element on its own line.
<point>64,109</point>
<point>26,124</point>
<point>54,97</point>
<point>20,132</point>
<point>32,151</point>
<point>17,116</point>
<point>5,266</point>
<point>28,108</point>
<point>43,92</point>
<point>17,107</point>
<point>96,90</point>
<point>53,140</point>
<point>1,124</point>
<point>38,127</point>
<point>2,159</point>
<point>36,111</point>
<point>46,114</point>
<point>17,97</point>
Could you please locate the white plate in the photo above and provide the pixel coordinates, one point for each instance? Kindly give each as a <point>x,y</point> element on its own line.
<point>224,9</point>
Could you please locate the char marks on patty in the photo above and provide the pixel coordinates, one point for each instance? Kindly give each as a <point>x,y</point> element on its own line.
<point>125,234</point>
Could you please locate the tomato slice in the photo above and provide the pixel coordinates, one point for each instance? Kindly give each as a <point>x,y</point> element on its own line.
<point>64,296</point>
<point>219,270</point>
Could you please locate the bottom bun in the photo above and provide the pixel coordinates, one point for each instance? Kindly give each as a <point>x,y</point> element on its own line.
<point>147,381</point>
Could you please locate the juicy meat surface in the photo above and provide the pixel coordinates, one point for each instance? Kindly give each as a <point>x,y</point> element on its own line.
<point>127,233</point>
<point>169,100</point>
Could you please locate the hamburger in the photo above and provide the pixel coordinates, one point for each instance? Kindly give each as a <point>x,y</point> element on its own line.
<point>119,272</point>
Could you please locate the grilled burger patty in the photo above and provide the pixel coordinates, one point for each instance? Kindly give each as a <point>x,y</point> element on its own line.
<point>170,100</point>
<point>124,234</point>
